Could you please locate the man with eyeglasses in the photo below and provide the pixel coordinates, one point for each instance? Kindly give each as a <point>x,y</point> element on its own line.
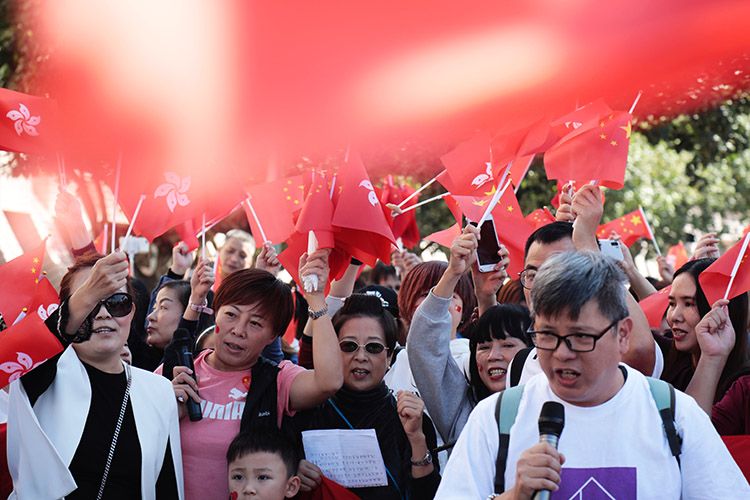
<point>613,444</point>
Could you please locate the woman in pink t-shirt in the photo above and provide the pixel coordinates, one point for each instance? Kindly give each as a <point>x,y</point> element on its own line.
<point>236,386</point>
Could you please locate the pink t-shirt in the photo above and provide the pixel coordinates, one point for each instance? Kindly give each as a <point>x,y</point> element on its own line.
<point>205,443</point>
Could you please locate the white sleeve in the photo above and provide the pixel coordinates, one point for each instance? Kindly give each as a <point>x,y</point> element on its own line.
<point>658,361</point>
<point>470,472</point>
<point>708,470</point>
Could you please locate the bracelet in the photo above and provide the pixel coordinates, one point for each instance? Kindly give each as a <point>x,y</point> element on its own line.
<point>201,308</point>
<point>317,314</point>
<point>426,460</point>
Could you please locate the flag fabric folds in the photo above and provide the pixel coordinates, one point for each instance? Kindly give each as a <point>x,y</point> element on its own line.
<point>27,122</point>
<point>715,278</point>
<point>631,227</point>
<point>20,278</point>
<point>655,305</point>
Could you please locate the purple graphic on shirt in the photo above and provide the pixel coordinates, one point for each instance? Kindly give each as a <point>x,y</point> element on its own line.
<point>605,483</point>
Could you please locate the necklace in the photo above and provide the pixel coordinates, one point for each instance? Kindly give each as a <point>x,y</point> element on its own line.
<point>116,434</point>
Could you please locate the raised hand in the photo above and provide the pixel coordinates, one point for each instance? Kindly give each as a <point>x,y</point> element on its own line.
<point>715,332</point>
<point>564,211</point>
<point>268,259</point>
<point>464,251</point>
<point>309,474</point>
<point>201,281</point>
<point>588,208</point>
<point>315,264</point>
<point>486,285</point>
<point>666,270</point>
<point>707,247</point>
<point>182,258</point>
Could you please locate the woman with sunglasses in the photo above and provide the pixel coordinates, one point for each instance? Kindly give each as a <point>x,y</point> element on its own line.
<point>495,338</point>
<point>237,388</point>
<point>85,424</point>
<point>367,335</point>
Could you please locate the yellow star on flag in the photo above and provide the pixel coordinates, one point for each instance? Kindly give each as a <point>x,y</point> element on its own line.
<point>491,192</point>
<point>603,137</point>
<point>627,128</point>
<point>33,270</point>
<point>479,203</point>
<point>613,143</point>
<point>635,220</point>
<point>510,208</point>
<point>36,260</point>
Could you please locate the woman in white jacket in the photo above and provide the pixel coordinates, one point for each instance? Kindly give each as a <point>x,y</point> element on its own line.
<point>84,424</point>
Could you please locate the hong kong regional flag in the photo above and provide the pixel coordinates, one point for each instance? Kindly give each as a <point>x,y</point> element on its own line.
<point>26,122</point>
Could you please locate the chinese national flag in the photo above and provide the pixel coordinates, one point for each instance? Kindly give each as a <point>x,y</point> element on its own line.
<point>338,260</point>
<point>365,233</point>
<point>655,305</point>
<point>595,150</point>
<point>20,278</point>
<point>24,346</point>
<point>631,227</point>
<point>715,278</point>
<point>540,217</point>
<point>27,122</point>
<point>445,237</point>
<point>677,255</point>
<point>468,167</point>
<point>276,204</point>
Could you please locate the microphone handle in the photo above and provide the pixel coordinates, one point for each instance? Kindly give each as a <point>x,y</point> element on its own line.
<point>552,440</point>
<point>185,358</point>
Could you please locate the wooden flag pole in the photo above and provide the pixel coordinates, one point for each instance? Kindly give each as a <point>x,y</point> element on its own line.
<point>737,264</point>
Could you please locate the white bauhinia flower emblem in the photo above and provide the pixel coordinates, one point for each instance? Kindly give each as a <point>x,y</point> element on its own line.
<point>23,365</point>
<point>45,313</point>
<point>175,189</point>
<point>483,178</point>
<point>371,196</point>
<point>23,121</point>
<point>573,125</point>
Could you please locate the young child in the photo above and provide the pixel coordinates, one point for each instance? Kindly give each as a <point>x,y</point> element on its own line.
<point>262,466</point>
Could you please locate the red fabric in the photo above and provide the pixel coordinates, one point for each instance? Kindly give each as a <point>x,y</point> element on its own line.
<point>655,305</point>
<point>27,122</point>
<point>404,226</point>
<point>739,448</point>
<point>45,299</point>
<point>631,227</point>
<point>317,213</point>
<point>595,149</point>
<point>365,233</point>
<point>328,490</point>
<point>677,255</point>
<point>468,167</point>
<point>715,278</point>
<point>19,279</point>
<point>187,233</point>
<point>540,217</point>
<point>276,204</point>
<point>338,260</point>
<point>519,168</point>
<point>445,237</point>
<point>24,346</point>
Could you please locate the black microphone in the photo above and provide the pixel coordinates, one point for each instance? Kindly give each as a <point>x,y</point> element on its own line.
<point>181,342</point>
<point>551,423</point>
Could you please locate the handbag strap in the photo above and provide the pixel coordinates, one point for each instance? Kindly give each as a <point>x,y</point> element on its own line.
<point>120,419</point>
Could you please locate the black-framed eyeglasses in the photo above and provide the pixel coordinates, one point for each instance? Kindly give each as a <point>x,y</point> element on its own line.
<point>350,346</point>
<point>576,342</point>
<point>527,278</point>
<point>118,305</point>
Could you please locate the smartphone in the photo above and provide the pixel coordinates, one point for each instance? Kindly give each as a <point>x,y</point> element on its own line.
<point>489,245</point>
<point>611,248</point>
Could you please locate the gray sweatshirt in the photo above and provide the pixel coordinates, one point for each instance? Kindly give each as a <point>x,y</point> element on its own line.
<point>441,383</point>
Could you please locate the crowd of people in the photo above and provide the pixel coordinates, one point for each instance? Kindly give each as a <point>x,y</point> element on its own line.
<point>187,390</point>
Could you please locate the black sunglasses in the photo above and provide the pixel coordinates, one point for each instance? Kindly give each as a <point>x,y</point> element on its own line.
<point>118,305</point>
<point>371,347</point>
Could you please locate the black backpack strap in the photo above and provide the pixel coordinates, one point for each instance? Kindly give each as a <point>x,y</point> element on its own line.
<point>516,368</point>
<point>505,417</point>
<point>261,400</point>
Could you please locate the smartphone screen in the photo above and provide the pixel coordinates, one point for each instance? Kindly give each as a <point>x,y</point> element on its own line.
<point>488,245</point>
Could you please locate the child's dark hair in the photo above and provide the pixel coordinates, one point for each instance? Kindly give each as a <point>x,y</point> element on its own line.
<point>265,442</point>
<point>359,305</point>
<point>498,322</point>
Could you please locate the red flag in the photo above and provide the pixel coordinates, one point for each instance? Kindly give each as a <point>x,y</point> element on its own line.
<point>715,278</point>
<point>187,233</point>
<point>468,166</point>
<point>540,217</point>
<point>655,305</point>
<point>366,232</point>
<point>677,255</point>
<point>404,226</point>
<point>45,300</point>
<point>593,151</point>
<point>631,227</point>
<point>276,203</point>
<point>27,122</point>
<point>20,277</point>
<point>338,260</point>
<point>317,212</point>
<point>24,346</point>
<point>328,489</point>
<point>445,237</point>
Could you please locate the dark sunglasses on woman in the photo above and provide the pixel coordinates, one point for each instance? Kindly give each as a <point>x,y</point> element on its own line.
<point>118,305</point>
<point>371,347</point>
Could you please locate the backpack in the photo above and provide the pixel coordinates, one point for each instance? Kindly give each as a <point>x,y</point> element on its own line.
<point>506,410</point>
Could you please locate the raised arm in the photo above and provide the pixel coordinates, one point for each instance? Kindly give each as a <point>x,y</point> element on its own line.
<point>312,387</point>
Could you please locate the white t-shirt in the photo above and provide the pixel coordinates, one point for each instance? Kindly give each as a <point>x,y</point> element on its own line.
<point>614,450</point>
<point>400,378</point>
<point>532,367</point>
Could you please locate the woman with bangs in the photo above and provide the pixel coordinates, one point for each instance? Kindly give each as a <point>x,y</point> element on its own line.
<point>85,424</point>
<point>367,335</point>
<point>448,392</point>
<point>236,387</point>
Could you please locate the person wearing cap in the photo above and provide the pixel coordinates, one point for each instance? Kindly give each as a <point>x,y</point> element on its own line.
<point>614,441</point>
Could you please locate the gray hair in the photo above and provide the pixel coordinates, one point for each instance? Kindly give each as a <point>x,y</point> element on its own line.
<point>243,236</point>
<point>569,280</point>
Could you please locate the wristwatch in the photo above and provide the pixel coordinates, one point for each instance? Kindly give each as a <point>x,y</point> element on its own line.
<point>426,460</point>
<point>317,314</point>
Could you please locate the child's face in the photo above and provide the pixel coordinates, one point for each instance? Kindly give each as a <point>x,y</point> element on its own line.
<point>259,476</point>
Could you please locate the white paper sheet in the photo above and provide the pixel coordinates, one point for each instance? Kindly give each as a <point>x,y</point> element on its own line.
<point>352,458</point>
